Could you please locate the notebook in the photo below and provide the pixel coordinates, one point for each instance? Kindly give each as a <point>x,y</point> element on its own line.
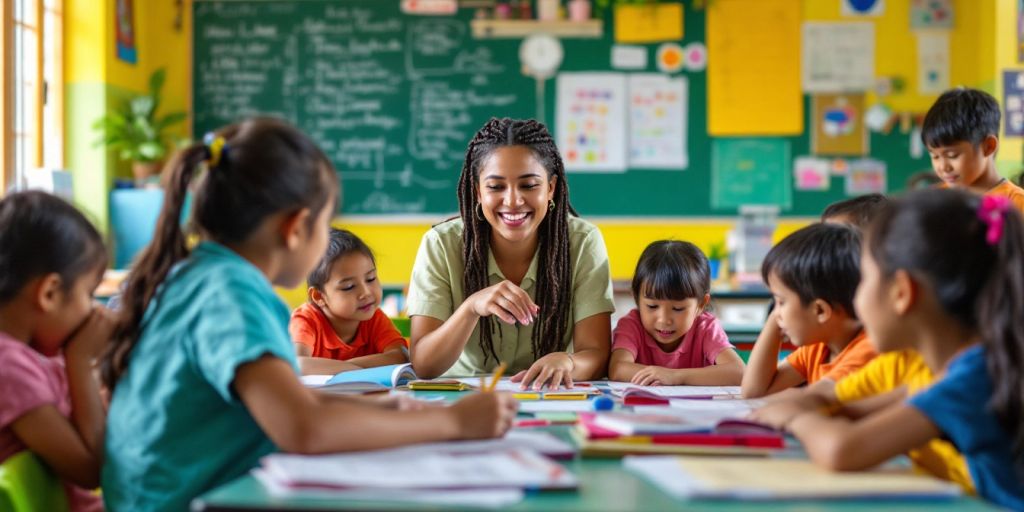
<point>387,376</point>
<point>651,395</point>
<point>725,439</point>
<point>782,479</point>
<point>439,385</point>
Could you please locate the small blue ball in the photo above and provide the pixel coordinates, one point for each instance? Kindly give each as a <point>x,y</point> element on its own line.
<point>603,403</point>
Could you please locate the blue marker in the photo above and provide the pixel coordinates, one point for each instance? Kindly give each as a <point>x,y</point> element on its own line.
<point>603,403</point>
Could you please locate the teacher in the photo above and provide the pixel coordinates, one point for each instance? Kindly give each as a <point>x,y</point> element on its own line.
<point>518,277</point>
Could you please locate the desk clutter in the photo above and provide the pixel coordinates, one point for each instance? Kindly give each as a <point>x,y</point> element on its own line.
<point>664,434</point>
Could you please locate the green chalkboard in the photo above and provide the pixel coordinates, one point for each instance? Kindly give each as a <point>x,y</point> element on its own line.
<point>393,100</point>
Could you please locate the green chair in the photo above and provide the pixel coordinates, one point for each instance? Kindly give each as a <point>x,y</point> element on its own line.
<point>403,325</point>
<point>26,484</point>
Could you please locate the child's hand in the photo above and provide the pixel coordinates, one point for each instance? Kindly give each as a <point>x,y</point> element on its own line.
<point>506,301</point>
<point>92,336</point>
<point>554,369</point>
<point>484,415</point>
<point>779,414</point>
<point>655,376</point>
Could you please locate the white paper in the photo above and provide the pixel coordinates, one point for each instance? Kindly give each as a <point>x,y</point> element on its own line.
<point>933,61</point>
<point>810,173</point>
<point>866,176</point>
<point>838,57</point>
<point>677,391</point>
<point>591,121</point>
<point>657,122</point>
<point>487,498</point>
<point>629,57</point>
<point>556,406</point>
<point>506,384</point>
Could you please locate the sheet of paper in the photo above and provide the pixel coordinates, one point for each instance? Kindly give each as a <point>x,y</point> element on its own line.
<point>866,176</point>
<point>677,391</point>
<point>933,61</point>
<point>556,406</point>
<point>753,79</point>
<point>591,121</point>
<point>629,57</point>
<point>315,380</point>
<point>486,498</point>
<point>506,384</point>
<point>838,56</point>
<point>931,14</point>
<point>837,125</point>
<point>811,173</point>
<point>657,122</point>
<point>779,478</point>
<point>648,23</point>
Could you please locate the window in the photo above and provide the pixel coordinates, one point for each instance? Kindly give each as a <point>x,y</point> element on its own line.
<point>33,88</point>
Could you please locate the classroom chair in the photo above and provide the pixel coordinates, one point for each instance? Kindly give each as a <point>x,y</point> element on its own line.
<point>27,485</point>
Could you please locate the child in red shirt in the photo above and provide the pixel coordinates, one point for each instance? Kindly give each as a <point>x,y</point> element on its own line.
<point>342,328</point>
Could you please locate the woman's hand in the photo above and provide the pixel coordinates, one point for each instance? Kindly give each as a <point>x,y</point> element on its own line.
<point>554,369</point>
<point>506,301</point>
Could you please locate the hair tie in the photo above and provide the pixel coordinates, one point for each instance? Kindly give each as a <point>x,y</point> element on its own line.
<point>215,146</point>
<point>992,211</point>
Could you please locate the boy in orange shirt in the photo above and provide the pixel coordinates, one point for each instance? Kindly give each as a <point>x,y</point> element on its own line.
<point>961,132</point>
<point>342,328</point>
<point>813,276</point>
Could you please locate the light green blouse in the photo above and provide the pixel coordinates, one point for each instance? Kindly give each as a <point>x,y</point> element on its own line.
<point>436,291</point>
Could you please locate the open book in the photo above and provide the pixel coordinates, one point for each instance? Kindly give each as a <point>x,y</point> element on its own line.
<point>728,437</point>
<point>366,380</point>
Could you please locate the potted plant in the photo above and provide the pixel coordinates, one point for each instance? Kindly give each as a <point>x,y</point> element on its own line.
<point>136,133</point>
<point>716,255</point>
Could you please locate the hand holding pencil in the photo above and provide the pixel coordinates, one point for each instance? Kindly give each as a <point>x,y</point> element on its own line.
<point>488,413</point>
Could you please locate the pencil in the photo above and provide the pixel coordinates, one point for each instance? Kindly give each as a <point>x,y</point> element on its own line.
<point>496,378</point>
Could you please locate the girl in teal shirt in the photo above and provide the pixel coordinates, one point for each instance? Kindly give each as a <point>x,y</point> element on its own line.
<point>203,372</point>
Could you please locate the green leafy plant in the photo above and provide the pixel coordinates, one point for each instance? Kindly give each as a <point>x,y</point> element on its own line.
<point>717,252</point>
<point>134,131</point>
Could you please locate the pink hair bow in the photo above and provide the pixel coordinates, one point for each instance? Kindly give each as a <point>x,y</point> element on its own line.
<point>991,212</point>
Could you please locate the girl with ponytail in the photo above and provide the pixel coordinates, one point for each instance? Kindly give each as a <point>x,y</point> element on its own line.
<point>203,372</point>
<point>942,273</point>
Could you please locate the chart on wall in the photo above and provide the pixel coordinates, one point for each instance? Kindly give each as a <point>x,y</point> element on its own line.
<point>392,100</point>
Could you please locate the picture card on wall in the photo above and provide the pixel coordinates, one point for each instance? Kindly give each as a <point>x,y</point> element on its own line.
<point>591,121</point>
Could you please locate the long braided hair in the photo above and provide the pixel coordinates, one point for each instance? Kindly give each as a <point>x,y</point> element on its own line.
<point>553,289</point>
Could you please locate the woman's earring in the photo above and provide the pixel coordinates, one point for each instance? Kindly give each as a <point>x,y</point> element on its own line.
<point>551,204</point>
<point>479,213</point>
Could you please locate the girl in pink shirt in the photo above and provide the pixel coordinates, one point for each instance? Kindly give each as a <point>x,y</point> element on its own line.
<point>51,260</point>
<point>670,339</point>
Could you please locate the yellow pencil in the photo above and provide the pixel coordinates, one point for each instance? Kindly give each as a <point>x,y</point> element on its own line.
<point>496,378</point>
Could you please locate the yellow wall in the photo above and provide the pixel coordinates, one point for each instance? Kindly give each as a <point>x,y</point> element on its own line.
<point>1004,50</point>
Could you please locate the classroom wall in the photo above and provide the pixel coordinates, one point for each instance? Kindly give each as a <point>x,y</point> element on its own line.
<point>1003,36</point>
<point>95,81</point>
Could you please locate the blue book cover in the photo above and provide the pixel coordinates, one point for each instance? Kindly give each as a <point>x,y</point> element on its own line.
<point>390,376</point>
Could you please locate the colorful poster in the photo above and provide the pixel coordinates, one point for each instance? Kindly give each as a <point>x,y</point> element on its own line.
<point>124,24</point>
<point>863,7</point>
<point>657,122</point>
<point>1013,102</point>
<point>591,121</point>
<point>811,173</point>
<point>650,23</point>
<point>838,57</point>
<point>750,172</point>
<point>933,61</point>
<point>753,77</point>
<point>866,176</point>
<point>931,14</point>
<point>838,125</point>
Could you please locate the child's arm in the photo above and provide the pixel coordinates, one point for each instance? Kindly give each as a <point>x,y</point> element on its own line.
<point>840,444</point>
<point>623,366</point>
<point>779,413</point>
<point>73,447</point>
<point>310,365</point>
<point>299,421</point>
<point>727,371</point>
<point>765,374</point>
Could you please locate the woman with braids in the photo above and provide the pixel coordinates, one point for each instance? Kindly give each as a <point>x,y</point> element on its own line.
<point>518,277</point>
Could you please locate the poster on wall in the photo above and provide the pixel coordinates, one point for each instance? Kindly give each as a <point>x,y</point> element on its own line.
<point>837,125</point>
<point>1020,30</point>
<point>838,57</point>
<point>657,121</point>
<point>933,61</point>
<point>863,7</point>
<point>1013,103</point>
<point>866,176</point>
<point>931,14</point>
<point>591,121</point>
<point>750,171</point>
<point>125,31</point>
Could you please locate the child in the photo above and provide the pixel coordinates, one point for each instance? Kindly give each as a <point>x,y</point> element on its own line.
<point>203,372</point>
<point>51,261</point>
<point>812,274</point>
<point>961,132</point>
<point>856,212</point>
<point>342,327</point>
<point>670,339</point>
<point>942,275</point>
